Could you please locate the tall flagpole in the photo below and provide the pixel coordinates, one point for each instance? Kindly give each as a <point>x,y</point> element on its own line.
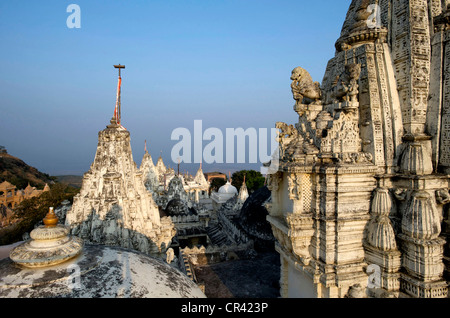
<point>117,110</point>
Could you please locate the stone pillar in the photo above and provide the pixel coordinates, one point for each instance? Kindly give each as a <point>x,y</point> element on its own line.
<point>197,200</point>
<point>382,254</point>
<point>412,54</point>
<point>340,213</point>
<point>422,248</point>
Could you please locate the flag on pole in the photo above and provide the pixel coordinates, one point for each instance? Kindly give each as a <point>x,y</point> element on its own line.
<point>116,110</point>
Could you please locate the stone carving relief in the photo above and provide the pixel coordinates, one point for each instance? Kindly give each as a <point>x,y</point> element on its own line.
<point>343,136</point>
<point>323,130</point>
<point>301,230</point>
<point>345,86</point>
<point>273,181</point>
<point>305,91</point>
<point>295,187</point>
<point>361,16</point>
<point>416,158</point>
<point>442,196</point>
<point>287,138</point>
<point>400,194</point>
<point>287,134</point>
<point>368,124</point>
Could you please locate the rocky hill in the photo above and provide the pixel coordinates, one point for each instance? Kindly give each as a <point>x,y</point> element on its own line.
<point>71,180</point>
<point>17,172</point>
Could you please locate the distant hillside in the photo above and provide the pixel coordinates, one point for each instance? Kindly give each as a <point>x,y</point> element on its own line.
<point>17,172</point>
<point>71,180</point>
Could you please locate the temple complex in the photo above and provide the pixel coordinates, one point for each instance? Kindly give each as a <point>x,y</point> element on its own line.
<point>164,183</point>
<point>10,197</point>
<point>359,204</point>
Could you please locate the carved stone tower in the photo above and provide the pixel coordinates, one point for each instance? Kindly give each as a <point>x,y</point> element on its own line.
<point>113,207</point>
<point>360,199</point>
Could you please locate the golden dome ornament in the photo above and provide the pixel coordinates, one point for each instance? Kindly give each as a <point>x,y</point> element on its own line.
<point>50,220</point>
<point>50,244</point>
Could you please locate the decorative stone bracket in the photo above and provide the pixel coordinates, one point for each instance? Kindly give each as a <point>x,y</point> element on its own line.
<point>301,230</point>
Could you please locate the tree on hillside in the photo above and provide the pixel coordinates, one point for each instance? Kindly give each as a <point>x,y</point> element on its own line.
<point>253,179</point>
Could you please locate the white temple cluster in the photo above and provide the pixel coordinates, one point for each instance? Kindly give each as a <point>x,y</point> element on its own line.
<point>360,201</point>
<point>165,184</point>
<point>182,197</point>
<point>152,209</point>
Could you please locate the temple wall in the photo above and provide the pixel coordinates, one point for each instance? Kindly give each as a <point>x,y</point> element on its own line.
<point>303,286</point>
<point>363,176</point>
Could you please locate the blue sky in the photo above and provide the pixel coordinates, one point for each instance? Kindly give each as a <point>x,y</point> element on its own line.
<point>225,62</point>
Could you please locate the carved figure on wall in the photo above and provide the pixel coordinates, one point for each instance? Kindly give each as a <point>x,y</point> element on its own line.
<point>345,86</point>
<point>295,187</point>
<point>400,194</point>
<point>442,196</point>
<point>288,134</point>
<point>273,181</point>
<point>287,131</point>
<point>304,90</point>
<point>362,16</point>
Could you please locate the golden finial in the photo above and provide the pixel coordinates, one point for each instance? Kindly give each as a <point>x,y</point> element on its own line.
<point>50,219</point>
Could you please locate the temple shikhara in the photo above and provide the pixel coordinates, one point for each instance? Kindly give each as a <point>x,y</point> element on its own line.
<point>114,207</point>
<point>360,201</point>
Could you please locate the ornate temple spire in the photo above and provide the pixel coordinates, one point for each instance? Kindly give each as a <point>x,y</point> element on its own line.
<point>114,206</point>
<point>150,173</point>
<point>243,192</point>
<point>200,177</point>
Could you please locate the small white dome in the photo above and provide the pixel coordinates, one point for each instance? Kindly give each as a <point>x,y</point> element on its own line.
<point>228,189</point>
<point>101,272</point>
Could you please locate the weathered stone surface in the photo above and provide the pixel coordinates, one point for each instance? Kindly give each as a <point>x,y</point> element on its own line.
<point>358,200</point>
<point>113,206</point>
<point>99,272</point>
